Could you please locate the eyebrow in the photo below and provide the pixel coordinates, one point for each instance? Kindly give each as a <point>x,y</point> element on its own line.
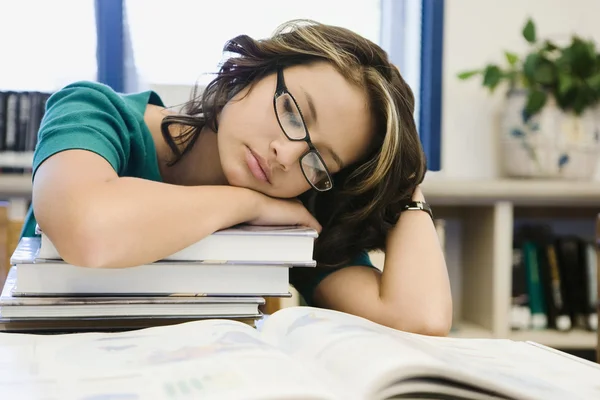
<point>313,112</point>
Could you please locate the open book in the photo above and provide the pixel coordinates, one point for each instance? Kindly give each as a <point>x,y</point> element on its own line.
<point>298,353</point>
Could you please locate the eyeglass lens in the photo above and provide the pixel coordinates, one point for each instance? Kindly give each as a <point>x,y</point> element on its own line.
<point>293,126</point>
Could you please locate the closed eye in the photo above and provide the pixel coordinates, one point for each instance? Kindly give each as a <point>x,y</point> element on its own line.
<point>291,113</point>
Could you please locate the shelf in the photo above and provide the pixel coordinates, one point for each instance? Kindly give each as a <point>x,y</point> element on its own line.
<point>439,191</point>
<point>16,159</point>
<point>575,339</point>
<point>17,185</point>
<point>518,191</point>
<point>470,330</point>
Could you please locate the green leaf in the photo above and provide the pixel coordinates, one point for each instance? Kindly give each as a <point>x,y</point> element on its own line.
<point>529,66</point>
<point>582,59</point>
<point>529,31</point>
<point>535,101</point>
<point>565,83</point>
<point>544,72</point>
<point>468,74</point>
<point>491,76</point>
<point>594,83</point>
<point>549,46</point>
<point>512,58</point>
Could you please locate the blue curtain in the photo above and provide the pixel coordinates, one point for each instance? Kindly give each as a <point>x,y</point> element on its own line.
<point>430,111</point>
<point>109,48</point>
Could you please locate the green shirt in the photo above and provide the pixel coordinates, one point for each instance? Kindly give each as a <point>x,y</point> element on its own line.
<point>92,116</point>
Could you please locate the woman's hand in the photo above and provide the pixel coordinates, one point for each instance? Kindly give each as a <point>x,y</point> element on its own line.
<point>273,211</point>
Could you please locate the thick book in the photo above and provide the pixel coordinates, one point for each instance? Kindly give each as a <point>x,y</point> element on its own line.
<point>297,353</point>
<point>54,278</point>
<point>13,307</point>
<point>520,313</point>
<point>292,245</point>
<point>569,251</point>
<point>535,289</point>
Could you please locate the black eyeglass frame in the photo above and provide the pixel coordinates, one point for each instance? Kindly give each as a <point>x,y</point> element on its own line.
<point>280,90</point>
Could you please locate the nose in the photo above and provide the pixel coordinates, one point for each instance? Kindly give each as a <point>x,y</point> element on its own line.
<point>286,153</point>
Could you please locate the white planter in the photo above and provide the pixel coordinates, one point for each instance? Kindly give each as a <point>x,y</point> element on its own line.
<point>551,144</point>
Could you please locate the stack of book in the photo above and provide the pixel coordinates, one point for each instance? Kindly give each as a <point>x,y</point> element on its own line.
<point>225,275</point>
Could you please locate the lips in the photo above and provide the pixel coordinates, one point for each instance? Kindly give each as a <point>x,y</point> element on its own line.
<point>257,166</point>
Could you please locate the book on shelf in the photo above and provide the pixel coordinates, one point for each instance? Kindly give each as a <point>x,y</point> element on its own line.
<point>21,113</point>
<point>307,353</point>
<point>554,281</point>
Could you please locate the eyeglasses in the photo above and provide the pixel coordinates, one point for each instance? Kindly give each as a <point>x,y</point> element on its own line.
<point>293,126</point>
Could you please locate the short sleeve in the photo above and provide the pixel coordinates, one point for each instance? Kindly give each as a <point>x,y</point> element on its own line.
<point>305,280</point>
<point>88,116</point>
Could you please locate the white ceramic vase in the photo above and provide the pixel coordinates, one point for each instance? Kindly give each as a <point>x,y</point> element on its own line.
<point>551,144</point>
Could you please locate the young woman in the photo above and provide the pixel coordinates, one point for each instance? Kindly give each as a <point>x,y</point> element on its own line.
<point>311,126</point>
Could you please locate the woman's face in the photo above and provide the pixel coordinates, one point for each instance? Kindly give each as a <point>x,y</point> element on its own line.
<point>254,151</point>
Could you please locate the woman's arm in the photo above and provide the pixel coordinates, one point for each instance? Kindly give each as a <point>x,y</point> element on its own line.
<point>412,293</point>
<point>96,219</point>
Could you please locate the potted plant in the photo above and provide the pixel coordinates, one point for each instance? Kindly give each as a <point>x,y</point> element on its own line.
<point>550,124</point>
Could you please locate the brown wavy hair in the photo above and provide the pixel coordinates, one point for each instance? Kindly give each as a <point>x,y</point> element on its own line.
<point>367,197</point>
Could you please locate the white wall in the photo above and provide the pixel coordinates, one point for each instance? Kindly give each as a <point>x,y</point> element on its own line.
<point>476,32</point>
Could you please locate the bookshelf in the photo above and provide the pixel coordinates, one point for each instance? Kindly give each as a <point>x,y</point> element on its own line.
<point>487,211</point>
<point>15,193</point>
<point>17,186</point>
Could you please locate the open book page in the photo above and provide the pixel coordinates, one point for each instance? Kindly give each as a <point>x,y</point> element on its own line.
<point>351,350</point>
<point>539,367</point>
<point>376,358</point>
<point>212,359</point>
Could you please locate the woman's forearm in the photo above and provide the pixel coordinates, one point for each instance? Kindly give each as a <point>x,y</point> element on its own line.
<point>415,282</point>
<point>131,221</point>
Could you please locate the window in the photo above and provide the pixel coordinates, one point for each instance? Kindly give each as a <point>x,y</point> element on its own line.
<point>46,44</point>
<point>181,43</point>
<point>412,33</point>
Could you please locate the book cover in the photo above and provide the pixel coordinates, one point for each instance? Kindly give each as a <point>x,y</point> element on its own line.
<point>292,245</point>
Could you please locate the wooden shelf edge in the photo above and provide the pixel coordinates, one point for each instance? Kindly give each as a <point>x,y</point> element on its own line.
<point>518,191</point>
<point>469,330</point>
<point>574,339</point>
<point>446,191</point>
<point>17,185</point>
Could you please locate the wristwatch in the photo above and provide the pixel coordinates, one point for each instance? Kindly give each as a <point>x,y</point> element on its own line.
<point>419,205</point>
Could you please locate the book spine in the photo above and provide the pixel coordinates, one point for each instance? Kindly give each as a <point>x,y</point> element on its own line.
<point>3,104</point>
<point>520,313</point>
<point>537,305</point>
<point>561,319</point>
<point>572,271</point>
<point>12,121</point>
<point>590,263</point>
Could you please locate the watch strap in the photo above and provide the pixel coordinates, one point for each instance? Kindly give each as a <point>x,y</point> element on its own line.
<point>419,206</point>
